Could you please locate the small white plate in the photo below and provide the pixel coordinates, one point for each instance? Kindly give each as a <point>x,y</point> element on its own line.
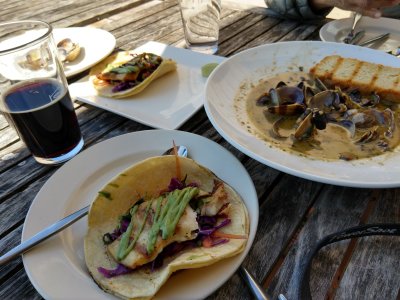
<point>248,68</point>
<point>336,31</point>
<point>168,101</point>
<point>57,267</point>
<point>96,44</point>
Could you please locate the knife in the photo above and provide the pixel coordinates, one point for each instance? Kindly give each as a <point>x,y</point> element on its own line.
<point>44,234</point>
<point>381,37</point>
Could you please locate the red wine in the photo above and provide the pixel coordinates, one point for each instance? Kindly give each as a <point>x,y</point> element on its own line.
<point>43,114</point>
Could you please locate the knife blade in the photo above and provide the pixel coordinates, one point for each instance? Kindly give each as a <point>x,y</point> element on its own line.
<point>381,37</point>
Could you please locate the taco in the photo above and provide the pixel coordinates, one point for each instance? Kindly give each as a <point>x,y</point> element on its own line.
<point>126,73</point>
<point>161,215</point>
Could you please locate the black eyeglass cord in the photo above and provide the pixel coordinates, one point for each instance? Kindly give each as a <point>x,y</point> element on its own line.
<point>303,287</point>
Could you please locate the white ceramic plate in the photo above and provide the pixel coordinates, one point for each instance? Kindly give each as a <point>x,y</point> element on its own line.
<point>336,31</point>
<point>96,44</point>
<point>168,101</point>
<point>57,268</point>
<point>247,68</point>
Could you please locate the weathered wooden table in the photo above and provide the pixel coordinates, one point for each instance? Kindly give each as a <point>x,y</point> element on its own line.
<point>294,213</point>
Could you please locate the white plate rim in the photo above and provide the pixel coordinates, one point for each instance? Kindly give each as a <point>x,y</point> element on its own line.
<point>382,25</point>
<point>303,167</point>
<point>153,141</point>
<point>105,45</point>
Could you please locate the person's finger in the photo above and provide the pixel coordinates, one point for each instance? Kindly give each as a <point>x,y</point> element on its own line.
<point>369,7</point>
<point>373,13</point>
<point>370,4</point>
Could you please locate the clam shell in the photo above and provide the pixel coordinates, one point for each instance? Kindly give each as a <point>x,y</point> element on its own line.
<point>69,50</point>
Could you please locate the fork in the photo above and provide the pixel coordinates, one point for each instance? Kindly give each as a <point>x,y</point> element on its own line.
<point>350,35</point>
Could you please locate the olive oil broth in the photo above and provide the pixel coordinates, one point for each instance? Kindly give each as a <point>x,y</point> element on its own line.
<point>332,143</point>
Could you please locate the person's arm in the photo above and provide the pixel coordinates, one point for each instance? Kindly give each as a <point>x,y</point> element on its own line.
<point>320,4</point>
<point>296,9</point>
<point>371,8</point>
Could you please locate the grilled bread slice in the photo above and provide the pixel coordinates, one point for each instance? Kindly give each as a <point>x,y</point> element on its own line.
<point>366,76</point>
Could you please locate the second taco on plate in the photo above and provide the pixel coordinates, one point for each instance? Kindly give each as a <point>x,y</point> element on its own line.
<point>126,73</point>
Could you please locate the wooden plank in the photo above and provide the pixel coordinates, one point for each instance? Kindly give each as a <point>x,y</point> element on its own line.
<point>3,122</point>
<point>8,242</point>
<point>235,22</point>
<point>336,208</point>
<point>130,16</point>
<point>9,11</point>
<point>13,155</point>
<point>14,209</point>
<point>18,287</point>
<point>154,32</point>
<point>272,35</point>
<point>148,29</point>
<point>300,33</point>
<point>69,13</point>
<point>10,3</point>
<point>369,274</point>
<point>8,137</point>
<point>245,35</point>
<point>281,211</point>
<point>82,16</point>
<point>26,9</point>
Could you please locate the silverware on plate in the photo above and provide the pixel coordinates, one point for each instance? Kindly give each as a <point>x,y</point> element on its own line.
<point>43,235</point>
<point>350,35</point>
<point>257,291</point>
<point>379,38</point>
<point>357,37</point>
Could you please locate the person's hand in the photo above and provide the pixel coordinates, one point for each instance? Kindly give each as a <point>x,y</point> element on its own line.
<point>371,8</point>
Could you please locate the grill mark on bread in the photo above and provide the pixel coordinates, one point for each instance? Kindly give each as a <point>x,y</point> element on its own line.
<point>356,69</point>
<point>336,67</point>
<point>375,77</point>
<point>397,80</point>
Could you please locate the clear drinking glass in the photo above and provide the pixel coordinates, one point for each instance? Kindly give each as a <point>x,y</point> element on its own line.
<point>201,24</point>
<point>34,95</point>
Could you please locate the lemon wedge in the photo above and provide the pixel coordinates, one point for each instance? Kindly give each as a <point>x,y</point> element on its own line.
<point>207,69</point>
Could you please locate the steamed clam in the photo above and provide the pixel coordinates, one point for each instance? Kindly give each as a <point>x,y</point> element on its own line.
<point>36,59</point>
<point>68,50</point>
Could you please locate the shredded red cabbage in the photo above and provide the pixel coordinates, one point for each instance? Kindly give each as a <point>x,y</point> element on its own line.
<point>206,230</point>
<point>176,184</point>
<point>119,270</point>
<point>124,85</point>
<point>108,238</point>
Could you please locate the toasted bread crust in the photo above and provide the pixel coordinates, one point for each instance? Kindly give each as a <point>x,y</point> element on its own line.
<point>366,76</point>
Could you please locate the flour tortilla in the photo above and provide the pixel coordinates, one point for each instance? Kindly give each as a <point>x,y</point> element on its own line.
<point>148,178</point>
<point>105,89</point>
